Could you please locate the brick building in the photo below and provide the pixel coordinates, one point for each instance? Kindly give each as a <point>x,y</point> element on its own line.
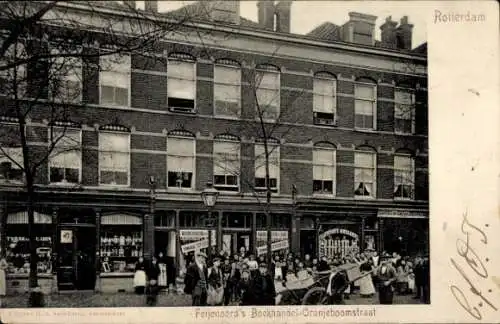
<point>350,163</point>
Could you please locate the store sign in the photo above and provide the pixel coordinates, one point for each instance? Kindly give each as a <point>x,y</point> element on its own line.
<point>401,213</point>
<point>339,231</point>
<point>195,246</point>
<point>195,235</point>
<point>66,236</point>
<point>276,246</point>
<point>275,235</point>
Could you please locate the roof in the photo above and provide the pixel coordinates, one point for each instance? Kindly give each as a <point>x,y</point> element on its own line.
<point>326,31</point>
<point>420,49</point>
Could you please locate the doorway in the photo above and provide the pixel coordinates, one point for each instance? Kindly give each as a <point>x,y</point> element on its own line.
<point>308,241</point>
<point>232,242</point>
<point>76,257</point>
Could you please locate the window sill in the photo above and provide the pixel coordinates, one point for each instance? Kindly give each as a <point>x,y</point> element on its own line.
<point>227,117</point>
<point>365,130</point>
<point>404,134</point>
<point>64,184</point>
<point>10,183</point>
<point>323,195</point>
<point>403,199</point>
<point>110,106</point>
<point>177,189</point>
<point>333,124</point>
<point>114,187</point>
<point>364,198</point>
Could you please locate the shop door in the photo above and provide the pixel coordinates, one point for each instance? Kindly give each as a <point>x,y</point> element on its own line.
<point>233,242</point>
<point>308,243</point>
<point>76,257</point>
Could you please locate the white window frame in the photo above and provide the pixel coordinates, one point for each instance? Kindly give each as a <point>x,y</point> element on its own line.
<point>227,84</point>
<point>129,158</point>
<point>373,101</point>
<point>73,75</point>
<point>400,171</point>
<point>19,159</point>
<point>274,149</point>
<point>193,80</point>
<point>317,106</point>
<point>193,156</point>
<point>410,106</point>
<point>126,72</point>
<point>80,166</point>
<point>333,165</point>
<point>22,69</point>
<point>276,88</point>
<point>373,194</point>
<point>226,187</point>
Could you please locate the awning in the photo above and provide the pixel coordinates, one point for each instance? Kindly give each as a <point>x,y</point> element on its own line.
<point>402,213</point>
<point>22,218</point>
<point>121,219</point>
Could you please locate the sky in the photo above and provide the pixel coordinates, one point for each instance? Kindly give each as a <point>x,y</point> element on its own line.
<point>306,15</point>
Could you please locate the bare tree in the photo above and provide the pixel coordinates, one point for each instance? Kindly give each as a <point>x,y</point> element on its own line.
<point>44,48</point>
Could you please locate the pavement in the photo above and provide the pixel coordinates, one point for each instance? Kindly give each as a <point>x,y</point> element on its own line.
<point>92,299</point>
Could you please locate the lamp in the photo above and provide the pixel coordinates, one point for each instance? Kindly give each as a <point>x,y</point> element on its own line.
<point>209,197</point>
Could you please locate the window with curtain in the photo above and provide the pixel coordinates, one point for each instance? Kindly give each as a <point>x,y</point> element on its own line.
<point>65,160</point>
<point>114,158</point>
<point>364,174</point>
<point>66,77</point>
<point>260,167</point>
<point>364,105</point>
<point>324,170</point>
<point>404,176</point>
<point>181,85</point>
<point>226,164</point>
<point>267,83</point>
<point>404,111</point>
<point>227,90</point>
<point>181,162</point>
<point>11,163</point>
<point>14,79</point>
<point>324,99</point>
<point>114,79</point>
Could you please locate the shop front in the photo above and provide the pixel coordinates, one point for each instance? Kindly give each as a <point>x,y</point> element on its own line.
<point>280,234</point>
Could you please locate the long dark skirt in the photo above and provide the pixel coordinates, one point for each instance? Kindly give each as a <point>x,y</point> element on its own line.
<point>385,295</point>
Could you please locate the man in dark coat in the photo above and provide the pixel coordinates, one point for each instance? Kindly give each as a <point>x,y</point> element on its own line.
<point>338,285</point>
<point>263,287</point>
<point>195,282</point>
<point>244,289</point>
<point>152,274</point>
<point>418,271</point>
<point>386,278</point>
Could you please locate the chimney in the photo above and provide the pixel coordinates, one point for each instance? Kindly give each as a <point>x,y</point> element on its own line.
<point>404,34</point>
<point>283,9</point>
<point>131,4</point>
<point>388,33</point>
<point>360,29</point>
<point>151,6</point>
<point>225,11</point>
<point>266,14</point>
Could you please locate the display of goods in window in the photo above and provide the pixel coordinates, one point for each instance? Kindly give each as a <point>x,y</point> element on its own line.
<point>120,250</point>
<point>18,254</point>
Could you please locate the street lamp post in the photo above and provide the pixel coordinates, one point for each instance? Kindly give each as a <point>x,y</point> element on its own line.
<point>209,197</point>
<point>148,240</point>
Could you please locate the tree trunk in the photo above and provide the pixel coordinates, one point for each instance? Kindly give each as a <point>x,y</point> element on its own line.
<point>33,278</point>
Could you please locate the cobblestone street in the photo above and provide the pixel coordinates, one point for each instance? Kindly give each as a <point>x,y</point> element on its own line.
<point>90,299</point>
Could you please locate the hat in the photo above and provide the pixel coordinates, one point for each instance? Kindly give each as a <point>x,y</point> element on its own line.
<point>263,264</point>
<point>201,254</point>
<point>216,259</point>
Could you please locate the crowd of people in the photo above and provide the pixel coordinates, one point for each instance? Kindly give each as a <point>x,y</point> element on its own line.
<point>245,279</point>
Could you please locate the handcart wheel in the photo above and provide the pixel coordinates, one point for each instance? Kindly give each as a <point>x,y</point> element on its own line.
<point>315,296</point>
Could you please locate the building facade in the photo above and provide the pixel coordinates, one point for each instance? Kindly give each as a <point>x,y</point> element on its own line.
<point>348,164</point>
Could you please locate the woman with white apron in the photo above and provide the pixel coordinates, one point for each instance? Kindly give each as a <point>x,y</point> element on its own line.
<point>162,278</point>
<point>3,280</point>
<point>140,277</point>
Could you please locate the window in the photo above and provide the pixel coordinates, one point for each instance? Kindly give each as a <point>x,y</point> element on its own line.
<point>65,77</point>
<point>404,111</point>
<point>260,167</point>
<point>10,171</point>
<point>404,176</point>
<point>365,174</point>
<point>267,82</point>
<point>227,90</point>
<point>324,99</point>
<point>114,79</point>
<point>365,106</point>
<point>226,163</point>
<point>14,79</point>
<point>65,160</point>
<point>181,85</point>
<point>324,170</point>
<point>180,161</point>
<point>114,158</point>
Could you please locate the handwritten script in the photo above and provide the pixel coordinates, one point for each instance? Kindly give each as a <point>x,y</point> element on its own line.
<point>471,266</point>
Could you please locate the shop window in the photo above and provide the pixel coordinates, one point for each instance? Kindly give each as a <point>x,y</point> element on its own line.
<point>227,89</point>
<point>121,242</point>
<point>11,165</point>
<point>404,176</point>
<point>260,167</point>
<point>65,160</point>
<point>324,171</point>
<point>181,85</point>
<point>365,174</point>
<point>114,158</point>
<point>365,105</point>
<point>324,99</point>
<point>404,111</point>
<point>226,163</point>
<point>267,84</point>
<point>114,80</point>
<point>181,150</point>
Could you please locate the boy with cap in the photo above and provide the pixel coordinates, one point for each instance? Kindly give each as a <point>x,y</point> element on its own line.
<point>196,280</point>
